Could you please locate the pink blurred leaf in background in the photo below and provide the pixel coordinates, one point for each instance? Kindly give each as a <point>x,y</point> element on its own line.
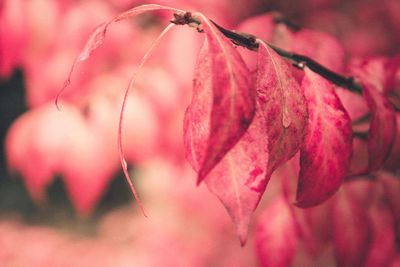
<point>44,143</point>
<point>276,235</point>
<point>319,46</point>
<point>351,226</point>
<point>13,35</point>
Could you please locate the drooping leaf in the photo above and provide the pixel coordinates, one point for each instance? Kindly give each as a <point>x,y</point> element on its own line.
<point>12,42</point>
<point>98,35</point>
<point>283,104</point>
<point>377,76</point>
<point>276,235</point>
<point>382,131</point>
<point>212,132</point>
<point>196,124</point>
<point>238,179</point>
<point>325,154</point>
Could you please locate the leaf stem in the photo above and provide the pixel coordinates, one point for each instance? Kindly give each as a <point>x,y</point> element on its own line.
<point>121,116</point>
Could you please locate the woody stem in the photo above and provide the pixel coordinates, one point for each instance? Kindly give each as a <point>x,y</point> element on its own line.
<point>249,41</point>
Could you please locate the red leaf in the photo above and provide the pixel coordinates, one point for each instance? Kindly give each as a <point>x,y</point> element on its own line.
<point>238,180</point>
<point>196,126</point>
<point>98,35</point>
<point>210,132</point>
<point>325,154</point>
<point>382,129</point>
<point>276,235</point>
<point>283,105</point>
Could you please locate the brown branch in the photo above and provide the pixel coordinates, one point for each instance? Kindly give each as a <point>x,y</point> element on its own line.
<point>249,41</point>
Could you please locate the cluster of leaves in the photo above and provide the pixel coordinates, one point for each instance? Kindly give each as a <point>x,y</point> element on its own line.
<point>241,126</point>
<point>254,115</point>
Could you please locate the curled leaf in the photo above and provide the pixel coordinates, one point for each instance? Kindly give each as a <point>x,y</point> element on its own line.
<point>382,131</point>
<point>327,148</point>
<point>210,132</point>
<point>98,35</point>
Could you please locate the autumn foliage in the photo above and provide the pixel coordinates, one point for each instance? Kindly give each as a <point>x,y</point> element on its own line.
<point>270,109</point>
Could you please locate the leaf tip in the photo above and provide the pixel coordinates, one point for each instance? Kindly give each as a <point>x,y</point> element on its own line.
<point>242,229</point>
<point>203,172</point>
<point>243,240</point>
<point>200,178</point>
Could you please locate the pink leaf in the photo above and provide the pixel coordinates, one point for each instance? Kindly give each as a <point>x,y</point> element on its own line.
<point>98,35</point>
<point>325,154</point>
<point>44,142</point>
<point>196,126</point>
<point>314,225</point>
<point>353,103</point>
<point>382,130</point>
<point>377,76</point>
<point>238,180</point>
<point>276,235</point>
<point>351,229</point>
<point>379,72</point>
<point>12,42</point>
<point>210,132</point>
<point>383,242</point>
<point>283,105</point>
